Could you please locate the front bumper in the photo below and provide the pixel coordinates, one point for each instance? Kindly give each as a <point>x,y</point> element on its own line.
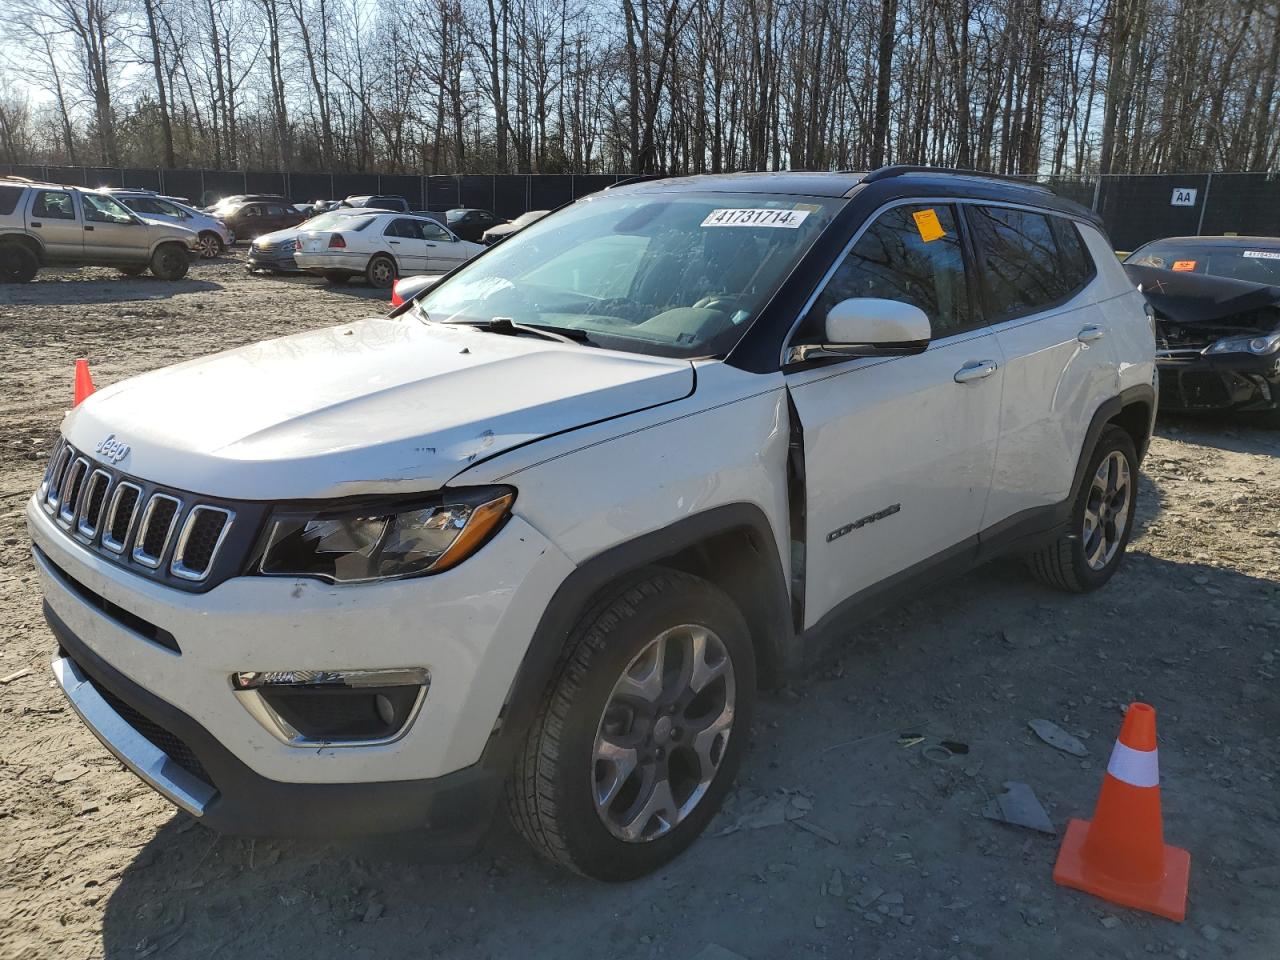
<point>1230,381</point>
<point>186,764</point>
<point>470,627</point>
<point>276,264</point>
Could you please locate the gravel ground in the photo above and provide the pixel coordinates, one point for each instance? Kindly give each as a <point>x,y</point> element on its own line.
<point>846,836</point>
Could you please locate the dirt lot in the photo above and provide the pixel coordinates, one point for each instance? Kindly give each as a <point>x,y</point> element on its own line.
<point>902,863</point>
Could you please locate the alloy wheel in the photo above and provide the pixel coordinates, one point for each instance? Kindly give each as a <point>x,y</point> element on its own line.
<point>209,246</point>
<point>663,733</point>
<point>1106,511</point>
<point>383,273</point>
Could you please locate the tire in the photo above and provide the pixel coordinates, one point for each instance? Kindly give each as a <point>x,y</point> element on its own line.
<point>554,794</point>
<point>18,263</point>
<point>170,262</point>
<point>336,279</point>
<point>132,271</point>
<point>1086,557</point>
<point>381,272</point>
<point>210,245</point>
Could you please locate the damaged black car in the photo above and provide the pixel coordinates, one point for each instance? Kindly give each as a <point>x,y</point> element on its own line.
<point>1217,341</point>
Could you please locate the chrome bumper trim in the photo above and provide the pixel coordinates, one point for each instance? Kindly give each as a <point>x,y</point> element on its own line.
<point>129,746</point>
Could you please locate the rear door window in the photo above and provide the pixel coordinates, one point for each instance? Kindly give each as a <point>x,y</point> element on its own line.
<point>53,205</point>
<point>912,254</point>
<point>1024,268</point>
<point>9,197</point>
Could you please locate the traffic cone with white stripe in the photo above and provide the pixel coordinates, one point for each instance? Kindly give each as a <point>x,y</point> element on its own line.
<point>1121,855</point>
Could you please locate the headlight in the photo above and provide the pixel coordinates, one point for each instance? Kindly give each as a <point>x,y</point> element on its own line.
<point>1258,346</point>
<point>385,541</point>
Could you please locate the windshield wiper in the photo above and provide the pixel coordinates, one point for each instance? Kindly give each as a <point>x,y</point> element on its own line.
<point>506,325</point>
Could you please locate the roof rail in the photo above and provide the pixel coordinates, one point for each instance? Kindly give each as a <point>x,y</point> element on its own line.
<point>639,178</point>
<point>898,169</point>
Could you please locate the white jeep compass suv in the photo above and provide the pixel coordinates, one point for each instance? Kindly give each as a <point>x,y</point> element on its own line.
<point>550,526</point>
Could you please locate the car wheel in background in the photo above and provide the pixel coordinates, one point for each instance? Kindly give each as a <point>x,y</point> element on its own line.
<point>1090,552</point>
<point>170,262</point>
<point>210,245</point>
<point>132,271</point>
<point>335,279</point>
<point>642,730</point>
<point>18,264</point>
<point>381,271</point>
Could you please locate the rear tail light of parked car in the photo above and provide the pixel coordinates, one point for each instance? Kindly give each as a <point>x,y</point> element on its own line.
<point>337,241</point>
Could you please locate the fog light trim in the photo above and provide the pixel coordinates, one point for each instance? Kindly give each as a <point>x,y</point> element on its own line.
<point>249,685</point>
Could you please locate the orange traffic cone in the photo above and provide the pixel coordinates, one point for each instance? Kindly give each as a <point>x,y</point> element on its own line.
<point>84,382</point>
<point>1121,855</point>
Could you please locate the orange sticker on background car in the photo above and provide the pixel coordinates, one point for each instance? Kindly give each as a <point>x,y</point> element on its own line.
<point>1184,265</point>
<point>928,225</point>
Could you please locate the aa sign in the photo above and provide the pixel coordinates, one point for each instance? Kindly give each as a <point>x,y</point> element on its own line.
<point>1183,197</point>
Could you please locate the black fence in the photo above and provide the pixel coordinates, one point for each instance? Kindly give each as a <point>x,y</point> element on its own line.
<point>507,195</point>
<point>1135,208</point>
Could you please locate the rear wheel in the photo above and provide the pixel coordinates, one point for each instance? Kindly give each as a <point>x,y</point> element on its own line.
<point>170,262</point>
<point>1090,552</point>
<point>18,263</point>
<point>642,730</point>
<point>210,245</point>
<point>381,272</point>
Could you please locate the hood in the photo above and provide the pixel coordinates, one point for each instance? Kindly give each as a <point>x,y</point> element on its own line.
<point>383,405</point>
<point>275,236</point>
<point>167,228</point>
<point>1195,298</point>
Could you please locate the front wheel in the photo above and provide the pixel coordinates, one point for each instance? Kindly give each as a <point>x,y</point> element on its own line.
<point>1090,552</point>
<point>642,730</point>
<point>170,262</point>
<point>210,245</point>
<point>381,272</point>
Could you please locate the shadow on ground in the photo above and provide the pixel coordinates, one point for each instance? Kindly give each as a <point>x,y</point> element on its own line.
<point>51,289</point>
<point>914,869</point>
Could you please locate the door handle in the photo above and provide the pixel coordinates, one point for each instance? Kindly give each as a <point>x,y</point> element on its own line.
<point>37,224</point>
<point>1091,333</point>
<point>394,243</point>
<point>430,244</point>
<point>88,229</point>
<point>976,370</point>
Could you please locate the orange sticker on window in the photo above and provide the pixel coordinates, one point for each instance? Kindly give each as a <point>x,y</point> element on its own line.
<point>928,225</point>
<point>1184,265</point>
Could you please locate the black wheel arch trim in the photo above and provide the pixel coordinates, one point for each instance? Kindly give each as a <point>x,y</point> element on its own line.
<point>762,580</point>
<point>1140,394</point>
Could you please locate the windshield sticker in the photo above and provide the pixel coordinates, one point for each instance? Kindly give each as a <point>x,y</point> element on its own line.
<point>1262,254</point>
<point>1183,266</point>
<point>744,217</point>
<point>928,225</point>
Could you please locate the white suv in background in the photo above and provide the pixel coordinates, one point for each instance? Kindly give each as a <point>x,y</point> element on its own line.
<point>380,247</point>
<point>550,526</point>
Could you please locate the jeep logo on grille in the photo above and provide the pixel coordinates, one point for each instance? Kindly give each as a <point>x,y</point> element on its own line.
<point>111,449</point>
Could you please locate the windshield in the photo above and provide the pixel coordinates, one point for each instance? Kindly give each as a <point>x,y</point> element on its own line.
<point>1257,263</point>
<point>678,274</point>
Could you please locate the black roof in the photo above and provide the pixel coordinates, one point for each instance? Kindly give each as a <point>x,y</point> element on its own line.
<point>1220,242</point>
<point>887,183</point>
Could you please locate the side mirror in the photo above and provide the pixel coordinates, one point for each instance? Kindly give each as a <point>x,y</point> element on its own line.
<point>869,327</point>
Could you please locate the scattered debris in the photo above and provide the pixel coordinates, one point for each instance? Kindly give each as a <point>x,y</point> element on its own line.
<point>1019,806</point>
<point>820,832</point>
<point>819,922</point>
<point>868,896</point>
<point>1110,922</point>
<point>713,951</point>
<point>1056,737</point>
<point>16,675</point>
<point>1210,932</point>
<point>373,912</point>
<point>835,886</point>
<point>88,806</point>
<point>69,772</point>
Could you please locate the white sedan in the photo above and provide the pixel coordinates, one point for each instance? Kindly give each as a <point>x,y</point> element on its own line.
<point>381,247</point>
